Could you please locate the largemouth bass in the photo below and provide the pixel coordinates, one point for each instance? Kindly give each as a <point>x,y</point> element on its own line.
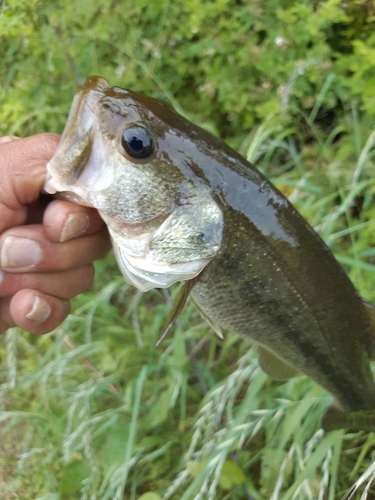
<point>182,206</point>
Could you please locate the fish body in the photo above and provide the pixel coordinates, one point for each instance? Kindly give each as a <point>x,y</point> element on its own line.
<point>180,205</point>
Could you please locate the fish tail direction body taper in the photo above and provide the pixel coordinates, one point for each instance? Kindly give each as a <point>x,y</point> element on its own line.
<point>180,205</point>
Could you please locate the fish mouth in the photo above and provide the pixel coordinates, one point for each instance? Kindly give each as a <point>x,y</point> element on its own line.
<point>74,150</point>
<point>83,112</point>
<point>72,197</point>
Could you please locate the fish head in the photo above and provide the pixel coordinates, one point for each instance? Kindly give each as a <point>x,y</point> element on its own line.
<point>132,158</point>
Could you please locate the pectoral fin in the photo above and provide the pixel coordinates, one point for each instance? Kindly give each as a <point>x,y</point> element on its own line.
<point>178,305</point>
<point>274,366</point>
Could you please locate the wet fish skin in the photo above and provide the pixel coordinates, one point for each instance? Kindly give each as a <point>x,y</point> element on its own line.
<point>266,273</point>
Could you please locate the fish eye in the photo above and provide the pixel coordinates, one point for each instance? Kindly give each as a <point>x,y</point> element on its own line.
<point>137,143</point>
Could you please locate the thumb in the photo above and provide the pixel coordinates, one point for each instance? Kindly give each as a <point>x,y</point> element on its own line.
<point>22,174</point>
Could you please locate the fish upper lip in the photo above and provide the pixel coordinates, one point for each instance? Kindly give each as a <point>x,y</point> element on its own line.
<point>72,197</point>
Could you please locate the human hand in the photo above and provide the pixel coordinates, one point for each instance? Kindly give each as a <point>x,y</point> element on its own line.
<point>46,247</point>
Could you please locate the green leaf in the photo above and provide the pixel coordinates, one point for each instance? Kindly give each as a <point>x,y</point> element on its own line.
<point>115,445</point>
<point>150,496</point>
<point>230,475</point>
<point>159,410</point>
<point>73,475</point>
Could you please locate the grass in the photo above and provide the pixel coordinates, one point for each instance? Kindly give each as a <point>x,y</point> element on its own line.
<point>95,411</point>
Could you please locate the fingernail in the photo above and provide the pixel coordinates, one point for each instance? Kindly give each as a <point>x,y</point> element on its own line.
<point>19,253</point>
<point>75,225</point>
<point>1,276</point>
<point>40,310</point>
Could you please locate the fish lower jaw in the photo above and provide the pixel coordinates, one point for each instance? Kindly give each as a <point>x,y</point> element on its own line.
<point>58,190</point>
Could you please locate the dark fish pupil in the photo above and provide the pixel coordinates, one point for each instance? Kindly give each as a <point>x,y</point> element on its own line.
<point>137,143</point>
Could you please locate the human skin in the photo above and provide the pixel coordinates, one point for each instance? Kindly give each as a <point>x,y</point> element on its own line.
<point>46,246</point>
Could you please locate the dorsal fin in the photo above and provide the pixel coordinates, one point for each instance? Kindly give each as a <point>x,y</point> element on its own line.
<point>274,366</point>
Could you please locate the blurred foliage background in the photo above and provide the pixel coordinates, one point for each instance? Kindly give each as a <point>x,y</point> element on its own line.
<point>94,410</point>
